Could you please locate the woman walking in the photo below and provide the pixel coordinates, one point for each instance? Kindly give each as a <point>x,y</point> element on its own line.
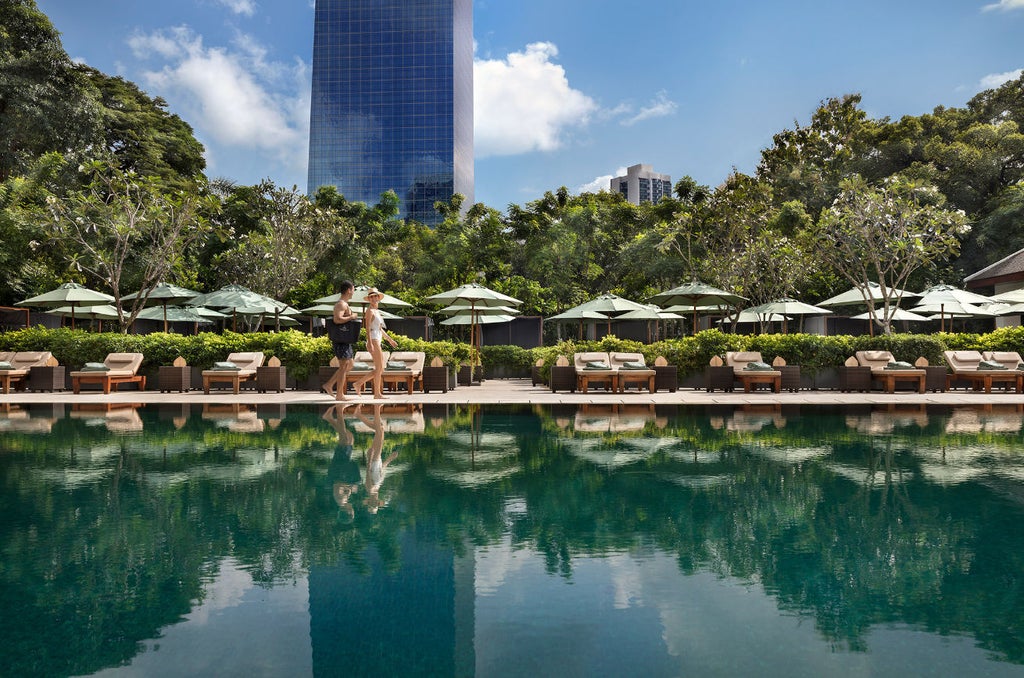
<point>375,333</point>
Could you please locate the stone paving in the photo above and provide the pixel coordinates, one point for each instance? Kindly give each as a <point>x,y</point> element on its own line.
<point>520,391</point>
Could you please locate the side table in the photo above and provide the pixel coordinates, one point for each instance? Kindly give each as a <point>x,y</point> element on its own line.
<point>935,378</point>
<point>271,378</point>
<point>790,377</point>
<point>46,378</point>
<point>854,378</point>
<point>719,377</point>
<point>666,377</point>
<point>173,378</point>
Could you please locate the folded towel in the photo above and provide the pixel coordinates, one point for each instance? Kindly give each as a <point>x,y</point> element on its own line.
<point>633,365</point>
<point>597,365</point>
<point>991,365</point>
<point>898,365</point>
<point>360,366</point>
<point>4,365</point>
<point>1020,366</point>
<point>758,367</point>
<point>226,365</point>
<point>395,365</point>
<point>95,367</point>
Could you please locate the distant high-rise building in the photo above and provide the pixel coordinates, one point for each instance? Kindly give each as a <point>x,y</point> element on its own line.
<point>642,184</point>
<point>392,105</point>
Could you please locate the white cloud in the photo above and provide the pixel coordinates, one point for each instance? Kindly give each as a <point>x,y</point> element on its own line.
<point>234,97</point>
<point>601,183</point>
<point>246,7</point>
<point>659,107</point>
<point>993,80</point>
<point>524,103</point>
<point>1004,5</point>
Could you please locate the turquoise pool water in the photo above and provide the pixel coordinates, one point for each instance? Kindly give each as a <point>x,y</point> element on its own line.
<point>512,541</point>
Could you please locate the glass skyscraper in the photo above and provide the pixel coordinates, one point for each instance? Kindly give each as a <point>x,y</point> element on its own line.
<point>392,105</point>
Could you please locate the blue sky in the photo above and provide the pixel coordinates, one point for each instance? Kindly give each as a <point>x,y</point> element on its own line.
<point>568,92</point>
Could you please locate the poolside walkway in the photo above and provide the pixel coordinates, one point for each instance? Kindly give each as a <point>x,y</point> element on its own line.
<point>520,391</point>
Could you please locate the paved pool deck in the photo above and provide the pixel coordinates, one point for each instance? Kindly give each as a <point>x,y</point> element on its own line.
<point>521,391</point>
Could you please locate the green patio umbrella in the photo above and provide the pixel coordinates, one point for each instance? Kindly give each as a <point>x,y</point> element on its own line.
<point>651,313</point>
<point>98,312</point>
<point>611,305</point>
<point>235,297</point>
<point>574,314</point>
<point>359,298</point>
<point>475,296</point>
<point>694,294</point>
<point>787,307</point>
<point>855,296</point>
<point>164,294</point>
<point>72,295</point>
<point>943,299</point>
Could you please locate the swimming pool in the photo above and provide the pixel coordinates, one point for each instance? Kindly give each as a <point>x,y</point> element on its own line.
<point>469,540</point>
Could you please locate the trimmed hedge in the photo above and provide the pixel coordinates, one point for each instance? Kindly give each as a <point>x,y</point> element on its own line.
<point>303,354</point>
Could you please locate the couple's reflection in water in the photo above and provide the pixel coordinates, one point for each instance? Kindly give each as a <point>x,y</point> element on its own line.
<point>344,473</point>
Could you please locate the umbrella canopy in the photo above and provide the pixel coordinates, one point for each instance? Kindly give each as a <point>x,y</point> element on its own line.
<point>610,305</point>
<point>652,312</point>
<point>749,316</point>
<point>955,308</point>
<point>176,314</point>
<point>69,294</point>
<point>1010,296</point>
<point>694,294</point>
<point>98,312</point>
<point>898,314</point>
<point>576,314</point>
<point>477,320</point>
<point>164,294</point>
<point>359,298</point>
<point>788,307</point>
<point>461,309</point>
<point>474,295</point>
<point>207,312</point>
<point>235,298</point>
<point>855,296</point>
<point>944,294</point>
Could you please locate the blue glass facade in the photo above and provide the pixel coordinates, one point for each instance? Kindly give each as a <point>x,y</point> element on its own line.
<point>392,104</point>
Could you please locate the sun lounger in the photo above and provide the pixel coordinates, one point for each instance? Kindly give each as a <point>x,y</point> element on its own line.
<point>409,375</point>
<point>742,363</point>
<point>595,366</point>
<point>21,363</point>
<point>878,362</point>
<point>967,365</point>
<point>244,369</point>
<point>632,370</point>
<point>118,368</point>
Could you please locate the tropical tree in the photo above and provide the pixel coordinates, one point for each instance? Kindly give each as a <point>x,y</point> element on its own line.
<point>885,234</point>
<point>282,232</point>
<point>46,100</point>
<point>126,231</point>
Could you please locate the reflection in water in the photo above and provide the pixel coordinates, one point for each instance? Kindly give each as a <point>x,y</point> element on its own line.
<point>512,540</point>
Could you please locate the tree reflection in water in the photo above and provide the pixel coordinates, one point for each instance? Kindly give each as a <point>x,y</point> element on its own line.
<point>852,517</point>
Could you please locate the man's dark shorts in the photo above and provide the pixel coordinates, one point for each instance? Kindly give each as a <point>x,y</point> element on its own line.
<point>343,351</point>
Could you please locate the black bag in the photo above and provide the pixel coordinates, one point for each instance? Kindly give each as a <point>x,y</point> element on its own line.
<point>344,333</point>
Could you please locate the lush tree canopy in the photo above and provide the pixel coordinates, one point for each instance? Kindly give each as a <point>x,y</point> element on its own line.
<point>760,235</point>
